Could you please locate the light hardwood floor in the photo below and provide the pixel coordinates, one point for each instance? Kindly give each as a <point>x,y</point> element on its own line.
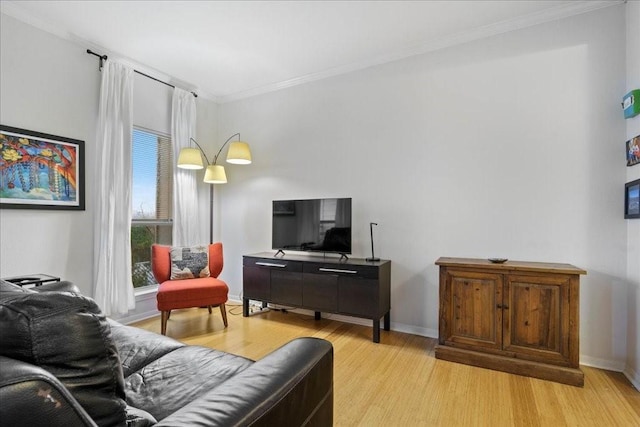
<point>398,382</point>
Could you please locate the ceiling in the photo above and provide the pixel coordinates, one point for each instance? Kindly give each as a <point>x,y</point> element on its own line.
<point>227,50</point>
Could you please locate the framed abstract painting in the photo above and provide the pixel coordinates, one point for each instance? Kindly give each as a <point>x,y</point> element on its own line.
<point>40,171</point>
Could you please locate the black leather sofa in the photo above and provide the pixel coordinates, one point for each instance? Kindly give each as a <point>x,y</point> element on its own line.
<point>62,363</point>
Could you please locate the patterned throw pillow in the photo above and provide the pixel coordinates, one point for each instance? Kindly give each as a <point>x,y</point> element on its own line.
<point>189,263</point>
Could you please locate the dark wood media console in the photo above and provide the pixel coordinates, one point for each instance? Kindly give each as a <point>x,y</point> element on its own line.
<point>353,287</point>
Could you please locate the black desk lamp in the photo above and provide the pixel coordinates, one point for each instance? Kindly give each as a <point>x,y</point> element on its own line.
<point>373,256</point>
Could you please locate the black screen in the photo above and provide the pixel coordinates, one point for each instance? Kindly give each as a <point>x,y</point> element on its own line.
<point>315,225</point>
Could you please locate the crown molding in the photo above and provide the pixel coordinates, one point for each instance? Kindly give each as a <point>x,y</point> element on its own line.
<point>12,9</point>
<point>556,13</point>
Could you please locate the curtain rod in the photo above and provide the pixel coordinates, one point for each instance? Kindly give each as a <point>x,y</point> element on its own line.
<point>104,58</point>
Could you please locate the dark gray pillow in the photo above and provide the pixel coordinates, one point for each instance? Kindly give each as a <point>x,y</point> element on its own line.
<point>66,334</point>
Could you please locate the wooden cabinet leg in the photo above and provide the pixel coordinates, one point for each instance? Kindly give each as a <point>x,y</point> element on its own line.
<point>387,321</point>
<point>376,330</point>
<point>318,315</point>
<point>245,307</point>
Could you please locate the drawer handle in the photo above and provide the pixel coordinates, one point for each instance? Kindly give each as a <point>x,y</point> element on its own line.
<point>271,264</point>
<point>337,270</point>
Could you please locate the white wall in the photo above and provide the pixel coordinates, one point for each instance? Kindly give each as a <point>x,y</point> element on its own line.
<point>52,86</point>
<point>151,104</point>
<point>507,146</point>
<point>207,136</point>
<point>633,226</point>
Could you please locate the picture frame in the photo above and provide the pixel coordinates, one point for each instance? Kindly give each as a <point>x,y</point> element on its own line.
<point>40,171</point>
<point>632,199</point>
<point>633,151</point>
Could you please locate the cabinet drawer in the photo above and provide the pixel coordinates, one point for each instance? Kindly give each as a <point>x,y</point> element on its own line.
<point>350,270</point>
<point>275,264</point>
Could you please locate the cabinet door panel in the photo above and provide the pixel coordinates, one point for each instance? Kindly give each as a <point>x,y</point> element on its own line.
<point>536,324</point>
<point>474,319</point>
<point>320,292</point>
<point>358,297</point>
<point>256,283</point>
<point>286,288</point>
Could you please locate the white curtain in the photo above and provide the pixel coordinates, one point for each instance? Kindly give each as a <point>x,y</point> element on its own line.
<point>112,238</point>
<point>186,224</point>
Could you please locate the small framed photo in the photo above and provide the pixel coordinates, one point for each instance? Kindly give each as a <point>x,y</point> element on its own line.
<point>40,171</point>
<point>633,151</point>
<point>632,199</point>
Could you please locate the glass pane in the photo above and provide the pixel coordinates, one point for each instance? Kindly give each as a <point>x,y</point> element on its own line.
<point>151,200</point>
<point>152,176</point>
<point>144,190</point>
<point>142,237</point>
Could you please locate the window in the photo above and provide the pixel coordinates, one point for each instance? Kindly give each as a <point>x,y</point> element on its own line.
<point>150,201</point>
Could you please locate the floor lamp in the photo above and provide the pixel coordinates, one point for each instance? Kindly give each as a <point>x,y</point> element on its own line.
<point>191,158</point>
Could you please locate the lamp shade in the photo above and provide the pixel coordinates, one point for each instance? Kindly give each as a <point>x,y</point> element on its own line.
<point>190,158</point>
<point>239,153</point>
<point>215,175</point>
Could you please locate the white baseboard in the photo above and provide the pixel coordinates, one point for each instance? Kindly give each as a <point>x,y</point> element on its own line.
<point>398,327</point>
<point>145,309</point>
<point>632,376</point>
<point>415,330</point>
<point>609,365</point>
<point>138,317</point>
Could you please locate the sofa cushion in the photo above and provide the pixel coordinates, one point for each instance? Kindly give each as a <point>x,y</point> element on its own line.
<point>174,294</point>
<point>189,262</point>
<point>180,377</point>
<point>138,347</point>
<point>67,335</point>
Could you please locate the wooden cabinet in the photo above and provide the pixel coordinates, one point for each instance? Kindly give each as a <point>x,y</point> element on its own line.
<point>353,287</point>
<point>519,317</point>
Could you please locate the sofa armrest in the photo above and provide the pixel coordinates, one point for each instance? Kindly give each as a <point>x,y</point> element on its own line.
<point>291,386</point>
<point>31,396</point>
<point>63,286</point>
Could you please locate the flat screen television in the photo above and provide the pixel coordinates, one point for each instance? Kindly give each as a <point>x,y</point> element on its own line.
<point>312,225</point>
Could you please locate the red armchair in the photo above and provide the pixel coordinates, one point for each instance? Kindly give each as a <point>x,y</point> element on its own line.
<point>201,292</point>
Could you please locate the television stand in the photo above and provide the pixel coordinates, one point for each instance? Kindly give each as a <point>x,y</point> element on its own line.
<point>353,287</point>
<point>280,251</point>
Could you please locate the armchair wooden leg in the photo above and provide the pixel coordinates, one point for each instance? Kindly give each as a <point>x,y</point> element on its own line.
<point>209,307</point>
<point>223,311</point>
<point>163,322</point>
